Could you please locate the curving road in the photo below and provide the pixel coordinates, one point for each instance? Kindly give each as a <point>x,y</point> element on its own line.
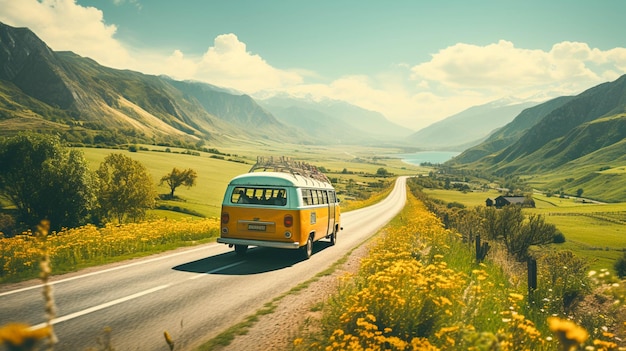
<point>194,294</point>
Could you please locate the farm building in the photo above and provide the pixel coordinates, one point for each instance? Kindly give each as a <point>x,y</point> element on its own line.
<point>502,201</point>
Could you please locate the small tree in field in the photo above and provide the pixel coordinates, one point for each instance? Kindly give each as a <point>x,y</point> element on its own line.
<point>176,178</point>
<point>126,189</point>
<point>382,172</point>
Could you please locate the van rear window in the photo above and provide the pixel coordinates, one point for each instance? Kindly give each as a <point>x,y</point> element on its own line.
<point>259,196</point>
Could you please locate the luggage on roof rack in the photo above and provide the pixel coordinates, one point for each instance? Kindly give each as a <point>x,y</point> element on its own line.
<point>287,165</point>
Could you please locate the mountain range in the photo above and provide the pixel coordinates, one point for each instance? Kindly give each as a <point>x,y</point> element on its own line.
<point>469,127</point>
<point>335,122</point>
<point>41,89</point>
<point>568,143</point>
<point>564,143</point>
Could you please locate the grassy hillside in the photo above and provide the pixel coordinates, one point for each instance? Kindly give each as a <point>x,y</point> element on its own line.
<point>213,174</point>
<point>564,145</point>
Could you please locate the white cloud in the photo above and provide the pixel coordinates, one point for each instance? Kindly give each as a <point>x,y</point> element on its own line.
<point>501,68</point>
<point>228,63</point>
<point>63,25</point>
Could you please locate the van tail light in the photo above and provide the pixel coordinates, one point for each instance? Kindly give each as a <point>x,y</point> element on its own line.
<point>225,218</point>
<point>288,221</point>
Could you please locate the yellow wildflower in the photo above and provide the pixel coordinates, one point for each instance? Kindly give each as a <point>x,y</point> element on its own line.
<point>570,335</point>
<point>168,340</point>
<point>18,336</point>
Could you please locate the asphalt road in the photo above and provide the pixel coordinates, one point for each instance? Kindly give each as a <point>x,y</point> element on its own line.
<point>193,293</point>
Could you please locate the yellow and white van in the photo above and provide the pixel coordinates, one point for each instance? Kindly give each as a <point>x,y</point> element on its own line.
<point>279,209</point>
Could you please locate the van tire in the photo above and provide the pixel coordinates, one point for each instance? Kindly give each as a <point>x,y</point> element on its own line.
<point>240,250</point>
<point>333,238</point>
<point>307,249</point>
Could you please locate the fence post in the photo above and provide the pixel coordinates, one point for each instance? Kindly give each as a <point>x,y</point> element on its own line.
<point>532,277</point>
<point>481,249</point>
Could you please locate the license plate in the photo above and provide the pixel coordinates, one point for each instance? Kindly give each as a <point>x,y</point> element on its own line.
<point>257,227</point>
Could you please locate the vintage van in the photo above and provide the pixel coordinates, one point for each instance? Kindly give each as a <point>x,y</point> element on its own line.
<point>279,209</point>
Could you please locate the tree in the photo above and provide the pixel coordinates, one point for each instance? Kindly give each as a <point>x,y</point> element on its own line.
<point>45,180</point>
<point>579,192</point>
<point>126,189</point>
<point>533,231</point>
<point>382,172</point>
<point>176,178</point>
<point>516,231</point>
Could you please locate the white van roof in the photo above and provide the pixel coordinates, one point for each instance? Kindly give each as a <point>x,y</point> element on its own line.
<point>278,179</point>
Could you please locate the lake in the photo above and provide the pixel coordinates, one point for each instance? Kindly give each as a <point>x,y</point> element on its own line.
<point>415,158</point>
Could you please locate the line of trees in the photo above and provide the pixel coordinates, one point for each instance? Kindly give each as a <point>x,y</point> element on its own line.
<point>516,231</point>
<point>42,179</point>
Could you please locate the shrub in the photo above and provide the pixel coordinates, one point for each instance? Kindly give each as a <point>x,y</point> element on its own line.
<point>558,238</point>
<point>126,190</point>
<point>455,205</point>
<point>7,225</point>
<point>563,280</point>
<point>44,179</point>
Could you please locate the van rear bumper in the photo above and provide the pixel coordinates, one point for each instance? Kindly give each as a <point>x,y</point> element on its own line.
<point>262,243</point>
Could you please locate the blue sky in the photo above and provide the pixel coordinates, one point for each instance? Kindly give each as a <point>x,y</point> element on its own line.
<point>414,61</point>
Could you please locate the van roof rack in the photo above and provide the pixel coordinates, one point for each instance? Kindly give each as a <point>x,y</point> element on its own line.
<point>287,165</point>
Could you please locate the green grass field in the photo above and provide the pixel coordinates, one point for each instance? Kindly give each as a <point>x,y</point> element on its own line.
<point>594,231</point>
<point>469,199</point>
<point>214,174</point>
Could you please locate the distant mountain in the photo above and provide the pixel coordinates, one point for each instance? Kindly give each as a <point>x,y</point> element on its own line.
<point>335,120</point>
<point>469,127</point>
<point>578,140</point>
<point>239,110</point>
<point>42,89</point>
<point>511,132</point>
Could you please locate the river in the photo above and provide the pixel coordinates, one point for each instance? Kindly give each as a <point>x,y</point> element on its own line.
<point>415,158</point>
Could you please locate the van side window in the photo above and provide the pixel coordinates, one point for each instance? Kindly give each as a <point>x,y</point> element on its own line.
<point>316,200</point>
<point>305,197</point>
<point>259,196</point>
<point>331,197</point>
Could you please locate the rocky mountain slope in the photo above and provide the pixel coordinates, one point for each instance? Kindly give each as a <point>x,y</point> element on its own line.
<point>41,89</point>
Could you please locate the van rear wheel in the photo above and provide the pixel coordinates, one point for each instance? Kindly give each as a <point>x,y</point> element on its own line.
<point>333,238</point>
<point>307,250</point>
<point>241,249</point>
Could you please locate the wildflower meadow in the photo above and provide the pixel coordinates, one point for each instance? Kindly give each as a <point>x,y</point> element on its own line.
<point>421,288</point>
<point>90,245</point>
